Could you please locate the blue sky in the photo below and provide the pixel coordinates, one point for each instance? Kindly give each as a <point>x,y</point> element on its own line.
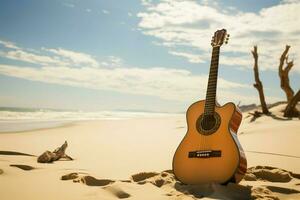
<point>140,54</point>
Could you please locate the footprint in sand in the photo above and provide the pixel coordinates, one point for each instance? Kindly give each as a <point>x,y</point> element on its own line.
<point>267,173</point>
<point>143,175</point>
<point>263,193</point>
<point>70,176</point>
<point>92,181</point>
<point>1,171</point>
<point>23,167</point>
<point>157,179</point>
<point>283,190</point>
<point>117,191</point>
<point>86,179</point>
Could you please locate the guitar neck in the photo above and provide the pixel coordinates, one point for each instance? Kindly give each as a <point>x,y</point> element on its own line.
<point>212,82</point>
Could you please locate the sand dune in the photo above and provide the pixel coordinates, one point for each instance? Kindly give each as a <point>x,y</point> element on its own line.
<point>119,159</point>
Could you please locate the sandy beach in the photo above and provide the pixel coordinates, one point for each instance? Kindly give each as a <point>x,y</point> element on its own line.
<point>131,158</point>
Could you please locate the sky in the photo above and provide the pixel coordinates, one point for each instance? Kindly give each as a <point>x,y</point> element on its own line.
<point>145,55</point>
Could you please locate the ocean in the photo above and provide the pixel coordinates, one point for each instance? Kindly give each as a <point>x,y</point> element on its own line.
<point>13,119</point>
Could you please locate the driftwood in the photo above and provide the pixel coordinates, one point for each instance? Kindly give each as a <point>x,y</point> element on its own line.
<point>255,115</point>
<point>258,85</point>
<point>290,110</point>
<point>48,156</point>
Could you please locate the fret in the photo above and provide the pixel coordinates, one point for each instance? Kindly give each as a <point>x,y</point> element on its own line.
<point>213,71</point>
<point>209,110</point>
<point>210,96</point>
<point>211,90</point>
<point>211,102</point>
<point>210,99</point>
<point>210,107</point>
<point>214,76</point>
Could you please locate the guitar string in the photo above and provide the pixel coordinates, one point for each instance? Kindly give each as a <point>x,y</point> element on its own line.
<point>208,102</point>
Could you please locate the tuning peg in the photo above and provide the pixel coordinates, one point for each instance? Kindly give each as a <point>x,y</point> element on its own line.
<point>228,35</point>
<point>226,42</point>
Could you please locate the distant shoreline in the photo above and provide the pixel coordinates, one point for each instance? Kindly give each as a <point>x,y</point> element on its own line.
<point>21,126</point>
<point>27,126</point>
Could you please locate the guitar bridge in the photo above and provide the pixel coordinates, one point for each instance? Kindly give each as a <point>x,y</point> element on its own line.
<point>204,154</point>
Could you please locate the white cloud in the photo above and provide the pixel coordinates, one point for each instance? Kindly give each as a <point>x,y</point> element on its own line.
<point>106,12</point>
<point>88,10</point>
<point>192,24</point>
<point>146,2</point>
<point>8,44</point>
<point>129,14</point>
<point>115,61</point>
<point>190,57</point>
<point>76,58</point>
<point>26,56</point>
<point>56,57</point>
<point>166,83</point>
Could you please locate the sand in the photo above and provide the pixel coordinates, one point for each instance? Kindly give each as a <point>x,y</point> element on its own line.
<point>131,159</point>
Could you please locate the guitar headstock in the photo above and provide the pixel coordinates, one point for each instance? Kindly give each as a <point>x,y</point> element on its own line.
<point>219,38</point>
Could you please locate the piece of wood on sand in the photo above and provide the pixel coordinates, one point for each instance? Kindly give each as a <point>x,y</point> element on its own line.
<point>59,153</point>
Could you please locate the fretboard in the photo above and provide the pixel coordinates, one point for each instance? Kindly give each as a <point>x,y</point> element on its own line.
<point>212,82</point>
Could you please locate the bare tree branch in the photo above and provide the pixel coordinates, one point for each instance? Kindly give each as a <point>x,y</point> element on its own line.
<point>283,73</point>
<point>258,85</point>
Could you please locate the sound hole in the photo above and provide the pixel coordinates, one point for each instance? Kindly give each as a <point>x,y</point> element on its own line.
<point>208,124</point>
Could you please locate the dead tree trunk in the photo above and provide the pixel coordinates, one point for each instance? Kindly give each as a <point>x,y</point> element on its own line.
<point>284,74</point>
<point>290,110</point>
<point>258,85</point>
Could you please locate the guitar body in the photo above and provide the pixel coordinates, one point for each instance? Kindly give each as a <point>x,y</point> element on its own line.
<point>211,156</point>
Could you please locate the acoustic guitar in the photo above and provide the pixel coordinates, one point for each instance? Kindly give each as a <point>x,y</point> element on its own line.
<point>210,151</point>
